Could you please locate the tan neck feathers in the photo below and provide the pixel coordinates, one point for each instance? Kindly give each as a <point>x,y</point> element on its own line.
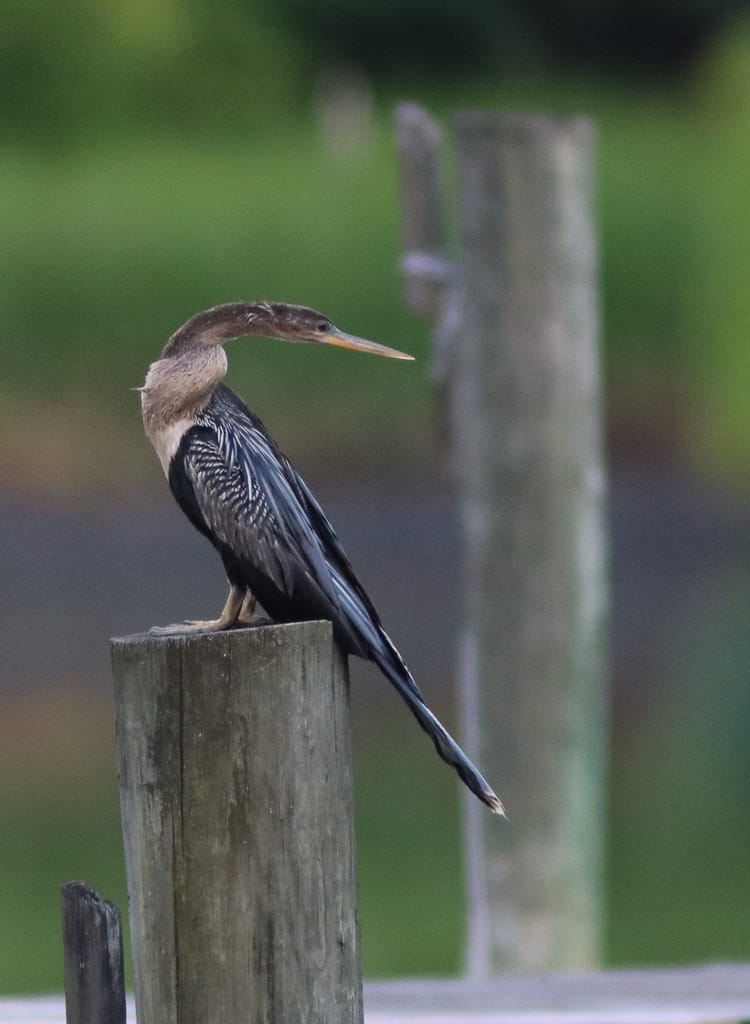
<point>180,387</point>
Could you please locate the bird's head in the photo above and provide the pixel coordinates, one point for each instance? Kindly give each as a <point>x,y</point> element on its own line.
<point>299,323</point>
<point>268,320</point>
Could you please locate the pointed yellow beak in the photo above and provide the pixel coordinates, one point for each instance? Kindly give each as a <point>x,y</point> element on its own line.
<point>337,337</point>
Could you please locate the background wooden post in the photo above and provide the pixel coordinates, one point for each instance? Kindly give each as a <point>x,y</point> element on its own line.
<point>527,434</point>
<point>419,138</point>
<point>92,946</point>
<point>235,783</point>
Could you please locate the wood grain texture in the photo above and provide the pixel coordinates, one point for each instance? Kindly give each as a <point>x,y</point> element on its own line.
<point>92,948</point>
<point>236,792</point>
<point>528,454</point>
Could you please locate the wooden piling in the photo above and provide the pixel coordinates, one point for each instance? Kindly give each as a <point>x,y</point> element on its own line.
<point>527,438</point>
<point>419,140</point>
<point>236,792</point>
<point>92,947</point>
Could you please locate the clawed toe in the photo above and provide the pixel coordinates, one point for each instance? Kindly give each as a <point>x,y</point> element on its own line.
<point>192,626</point>
<point>163,630</point>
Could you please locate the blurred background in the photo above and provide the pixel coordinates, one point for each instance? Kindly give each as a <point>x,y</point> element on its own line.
<point>157,158</point>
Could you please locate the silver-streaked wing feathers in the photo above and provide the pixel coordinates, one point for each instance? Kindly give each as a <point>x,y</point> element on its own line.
<point>250,505</point>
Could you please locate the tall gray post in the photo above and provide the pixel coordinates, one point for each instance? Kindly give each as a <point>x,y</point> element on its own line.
<point>526,427</point>
<point>236,793</point>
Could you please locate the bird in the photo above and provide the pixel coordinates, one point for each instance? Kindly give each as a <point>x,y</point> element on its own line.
<point>240,491</point>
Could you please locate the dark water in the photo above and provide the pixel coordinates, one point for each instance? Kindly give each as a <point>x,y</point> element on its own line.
<point>74,575</point>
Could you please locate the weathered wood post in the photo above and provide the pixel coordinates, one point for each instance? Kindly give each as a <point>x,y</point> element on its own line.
<point>524,394</point>
<point>527,425</point>
<point>92,947</point>
<point>236,792</point>
<point>420,146</point>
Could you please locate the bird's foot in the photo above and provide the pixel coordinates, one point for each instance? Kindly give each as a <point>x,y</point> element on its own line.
<point>192,626</point>
<point>239,611</point>
<point>235,602</point>
<point>210,626</point>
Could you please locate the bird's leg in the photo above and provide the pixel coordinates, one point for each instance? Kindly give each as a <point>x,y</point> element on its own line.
<point>247,611</point>
<point>247,616</point>
<point>227,618</point>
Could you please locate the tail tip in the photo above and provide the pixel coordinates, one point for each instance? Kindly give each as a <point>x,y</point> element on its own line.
<point>495,804</point>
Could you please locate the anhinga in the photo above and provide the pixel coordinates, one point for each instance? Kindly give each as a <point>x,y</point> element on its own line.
<point>243,494</point>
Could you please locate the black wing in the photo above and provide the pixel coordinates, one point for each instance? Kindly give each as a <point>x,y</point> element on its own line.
<point>238,488</point>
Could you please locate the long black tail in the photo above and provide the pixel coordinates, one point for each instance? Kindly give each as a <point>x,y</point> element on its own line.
<point>390,663</point>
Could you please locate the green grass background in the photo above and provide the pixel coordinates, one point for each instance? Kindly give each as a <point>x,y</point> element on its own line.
<point>107,247</point>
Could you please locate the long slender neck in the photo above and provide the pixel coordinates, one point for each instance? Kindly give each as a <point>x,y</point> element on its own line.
<point>179,387</point>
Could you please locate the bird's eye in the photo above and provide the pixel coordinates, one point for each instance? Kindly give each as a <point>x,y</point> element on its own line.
<point>323,327</point>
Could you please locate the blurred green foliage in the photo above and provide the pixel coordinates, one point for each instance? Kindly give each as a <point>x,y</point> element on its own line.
<point>108,246</point>
<point>96,66</point>
<point>72,71</point>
